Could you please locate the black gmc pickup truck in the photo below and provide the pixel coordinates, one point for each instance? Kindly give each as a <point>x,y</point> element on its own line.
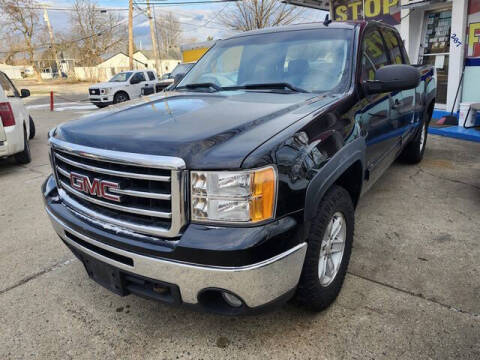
<point>236,191</point>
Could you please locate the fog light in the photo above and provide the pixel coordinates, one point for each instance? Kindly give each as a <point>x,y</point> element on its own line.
<point>231,299</point>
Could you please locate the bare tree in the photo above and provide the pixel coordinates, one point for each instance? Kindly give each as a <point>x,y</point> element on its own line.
<point>169,33</point>
<point>21,17</point>
<point>257,14</point>
<point>12,44</point>
<point>96,32</point>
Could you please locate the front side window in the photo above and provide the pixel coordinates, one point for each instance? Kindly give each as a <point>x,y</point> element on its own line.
<point>121,77</point>
<point>393,45</point>
<point>374,55</point>
<point>316,60</point>
<point>139,77</point>
<point>7,86</point>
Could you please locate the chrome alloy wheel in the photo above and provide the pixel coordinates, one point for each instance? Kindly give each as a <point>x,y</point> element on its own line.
<point>422,136</point>
<point>332,248</point>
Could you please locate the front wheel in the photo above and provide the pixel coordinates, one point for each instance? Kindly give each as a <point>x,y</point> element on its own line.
<point>329,248</point>
<point>120,97</point>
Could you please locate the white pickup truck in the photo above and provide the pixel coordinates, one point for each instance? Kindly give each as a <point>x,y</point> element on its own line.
<point>123,86</point>
<point>16,124</point>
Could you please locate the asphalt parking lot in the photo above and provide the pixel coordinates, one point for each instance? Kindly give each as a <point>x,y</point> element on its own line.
<point>413,288</point>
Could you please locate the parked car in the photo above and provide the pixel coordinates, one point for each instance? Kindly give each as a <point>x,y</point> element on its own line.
<point>237,191</point>
<point>169,78</point>
<point>16,124</point>
<point>122,87</point>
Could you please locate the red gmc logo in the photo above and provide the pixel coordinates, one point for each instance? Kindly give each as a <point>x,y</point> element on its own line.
<point>97,187</point>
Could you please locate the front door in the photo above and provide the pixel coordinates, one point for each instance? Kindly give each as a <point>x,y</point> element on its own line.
<point>378,119</point>
<point>137,81</point>
<point>402,103</point>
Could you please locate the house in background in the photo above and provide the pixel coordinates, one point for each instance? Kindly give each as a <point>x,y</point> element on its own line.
<point>142,59</point>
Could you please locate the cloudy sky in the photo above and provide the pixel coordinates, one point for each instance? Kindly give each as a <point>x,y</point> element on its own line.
<point>198,21</point>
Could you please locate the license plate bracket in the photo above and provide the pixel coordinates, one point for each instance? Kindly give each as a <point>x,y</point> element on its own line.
<point>104,274</point>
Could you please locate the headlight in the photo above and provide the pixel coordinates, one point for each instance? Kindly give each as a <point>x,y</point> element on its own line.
<point>233,196</point>
<point>105,91</point>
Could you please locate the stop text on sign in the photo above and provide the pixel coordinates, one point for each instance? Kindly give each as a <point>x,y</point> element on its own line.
<point>353,10</point>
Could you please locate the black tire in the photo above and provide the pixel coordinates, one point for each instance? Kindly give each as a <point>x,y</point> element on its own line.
<point>24,157</point>
<point>413,152</point>
<point>32,128</point>
<point>120,96</point>
<point>310,292</point>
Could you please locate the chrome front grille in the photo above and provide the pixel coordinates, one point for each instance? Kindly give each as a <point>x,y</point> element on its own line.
<point>149,192</point>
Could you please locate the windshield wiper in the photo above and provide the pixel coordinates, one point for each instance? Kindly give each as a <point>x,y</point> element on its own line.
<point>201,85</point>
<point>279,85</point>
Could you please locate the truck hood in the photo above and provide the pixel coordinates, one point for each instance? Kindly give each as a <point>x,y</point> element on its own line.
<point>108,84</point>
<point>207,130</point>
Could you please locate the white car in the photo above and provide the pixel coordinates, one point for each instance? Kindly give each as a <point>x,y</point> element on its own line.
<point>16,124</point>
<point>123,86</point>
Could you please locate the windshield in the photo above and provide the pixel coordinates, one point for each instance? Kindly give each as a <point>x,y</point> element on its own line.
<point>121,77</point>
<point>181,69</point>
<point>316,60</point>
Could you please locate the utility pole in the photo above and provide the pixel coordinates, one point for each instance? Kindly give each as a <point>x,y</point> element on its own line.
<point>156,38</point>
<point>154,41</point>
<point>130,33</point>
<point>52,43</point>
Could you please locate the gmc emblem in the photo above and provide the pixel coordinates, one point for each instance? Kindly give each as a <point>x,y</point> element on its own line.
<point>97,187</point>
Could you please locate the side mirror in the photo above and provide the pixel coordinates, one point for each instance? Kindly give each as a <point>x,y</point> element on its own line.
<point>24,93</point>
<point>393,78</point>
<point>178,78</point>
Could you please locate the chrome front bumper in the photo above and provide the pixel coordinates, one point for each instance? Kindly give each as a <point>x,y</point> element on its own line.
<point>257,284</point>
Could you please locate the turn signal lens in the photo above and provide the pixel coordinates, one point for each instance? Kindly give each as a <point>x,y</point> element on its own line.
<point>263,197</point>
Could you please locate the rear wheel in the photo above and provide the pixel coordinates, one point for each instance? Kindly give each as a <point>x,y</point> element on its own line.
<point>24,157</point>
<point>413,152</point>
<point>120,97</point>
<point>329,248</point>
<point>32,128</point>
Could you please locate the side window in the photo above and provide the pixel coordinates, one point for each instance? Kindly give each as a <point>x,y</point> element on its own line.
<point>151,75</point>
<point>406,59</point>
<point>393,45</point>
<point>7,86</point>
<point>374,55</point>
<point>139,76</point>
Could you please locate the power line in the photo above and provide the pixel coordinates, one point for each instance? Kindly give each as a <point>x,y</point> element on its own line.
<point>188,2</point>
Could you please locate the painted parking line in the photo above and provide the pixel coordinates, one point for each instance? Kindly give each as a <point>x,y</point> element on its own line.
<point>64,106</point>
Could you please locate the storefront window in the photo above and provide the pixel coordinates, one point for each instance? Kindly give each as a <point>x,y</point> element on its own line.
<point>436,48</point>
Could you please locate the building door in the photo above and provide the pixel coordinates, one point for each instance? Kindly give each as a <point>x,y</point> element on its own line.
<point>435,48</point>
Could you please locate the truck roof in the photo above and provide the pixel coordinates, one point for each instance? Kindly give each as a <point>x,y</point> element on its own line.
<point>308,26</point>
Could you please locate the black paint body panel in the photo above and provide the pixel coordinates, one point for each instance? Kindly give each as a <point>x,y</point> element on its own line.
<point>310,138</point>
